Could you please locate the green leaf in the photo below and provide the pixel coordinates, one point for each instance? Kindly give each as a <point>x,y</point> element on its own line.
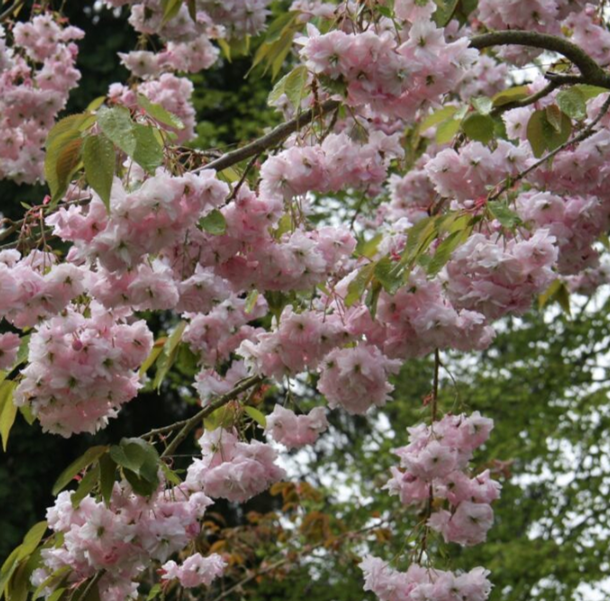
<point>118,126</point>
<point>140,463</point>
<point>573,103</point>
<point>368,248</point>
<point>444,11</point>
<point>445,249</point>
<point>148,152</point>
<point>482,104</point>
<point>589,91</point>
<point>251,301</point>
<point>546,136</point>
<point>107,473</point>
<point>86,485</point>
<point>77,466</point>
<point>358,285</point>
<point>62,160</point>
<point>170,9</point>
<point>447,130</point>
<point>511,95</point>
<point>558,292</point>
<point>387,275</point>
<point>213,223</point>
<point>99,161</point>
<point>438,117</point>
<point>27,414</point>
<point>293,85</point>
<point>504,214</point>
<point>155,591</point>
<point>22,552</point>
<point>479,127</point>
<point>24,350</point>
<point>95,104</point>
<point>57,578</point>
<point>277,27</point>
<point>154,355</point>
<point>158,113</point>
<point>170,475</point>
<point>256,415</point>
<point>136,455</point>
<point>8,410</point>
<point>168,356</point>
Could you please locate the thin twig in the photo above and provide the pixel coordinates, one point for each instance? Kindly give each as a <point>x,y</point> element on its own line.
<point>194,421</point>
<point>583,135</point>
<point>275,136</point>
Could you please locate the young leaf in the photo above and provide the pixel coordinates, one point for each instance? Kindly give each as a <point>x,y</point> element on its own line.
<point>293,85</point>
<point>357,286</point>
<point>479,127</point>
<point>118,126</point>
<point>87,484</point>
<point>8,410</point>
<point>214,223</point>
<point>504,214</point>
<point>77,466</point>
<point>444,11</point>
<point>158,113</point>
<point>99,161</point>
<point>438,117</point>
<point>510,95</point>
<point>168,356</point>
<point>447,130</point>
<point>387,276</point>
<point>256,415</point>
<point>573,103</point>
<point>149,152</point>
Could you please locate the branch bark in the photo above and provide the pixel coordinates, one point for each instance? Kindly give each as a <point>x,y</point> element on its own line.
<point>591,72</point>
<point>194,421</point>
<point>274,137</point>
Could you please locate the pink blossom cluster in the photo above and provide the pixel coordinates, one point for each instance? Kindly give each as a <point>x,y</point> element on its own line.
<point>232,470</point>
<point>419,318</point>
<point>9,345</point>
<point>295,431</point>
<point>468,174</point>
<point>251,255</point>
<point>337,163</point>
<point>231,18</point>
<point>496,278</point>
<point>196,570</point>
<point>143,221</point>
<point>589,32</point>
<point>300,342</point>
<point>356,378</point>
<point>189,57</point>
<point>434,465</point>
<point>36,76</point>
<point>576,222</point>
<point>34,287</point>
<point>214,335</point>
<point>81,369</point>
<point>419,583</point>
<point>123,538</point>
<point>394,78</point>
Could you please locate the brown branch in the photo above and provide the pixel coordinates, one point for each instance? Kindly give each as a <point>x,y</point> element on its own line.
<point>274,137</point>
<point>590,70</point>
<point>194,421</point>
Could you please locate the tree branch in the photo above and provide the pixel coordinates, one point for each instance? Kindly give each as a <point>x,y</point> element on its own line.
<point>583,135</point>
<point>194,421</point>
<point>275,136</point>
<point>591,72</point>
